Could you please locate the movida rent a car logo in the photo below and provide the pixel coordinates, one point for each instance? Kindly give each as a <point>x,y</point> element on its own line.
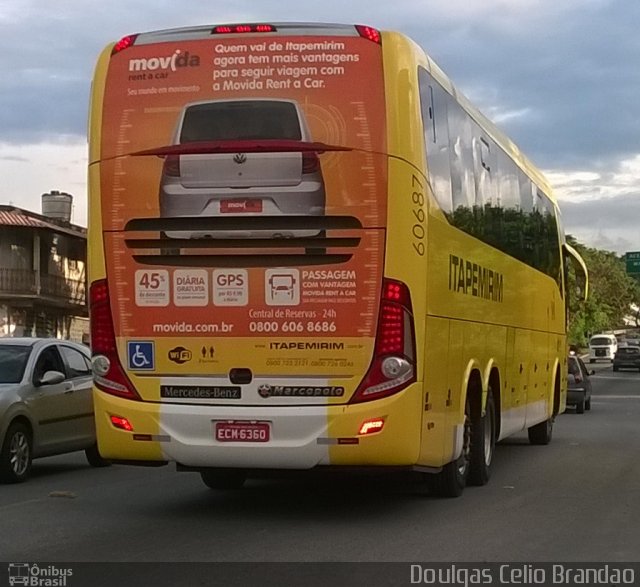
<point>170,62</point>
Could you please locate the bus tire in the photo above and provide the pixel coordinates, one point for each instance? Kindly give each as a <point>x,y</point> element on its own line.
<point>483,442</point>
<point>94,458</point>
<point>541,433</point>
<point>451,481</point>
<point>223,479</point>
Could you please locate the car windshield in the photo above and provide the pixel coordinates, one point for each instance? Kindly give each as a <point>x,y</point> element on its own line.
<point>600,341</point>
<point>13,360</point>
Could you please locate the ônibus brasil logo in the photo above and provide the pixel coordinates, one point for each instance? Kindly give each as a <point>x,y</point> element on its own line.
<point>38,575</point>
<point>172,62</point>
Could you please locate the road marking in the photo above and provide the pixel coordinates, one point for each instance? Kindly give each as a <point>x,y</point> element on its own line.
<point>601,397</point>
<point>618,378</point>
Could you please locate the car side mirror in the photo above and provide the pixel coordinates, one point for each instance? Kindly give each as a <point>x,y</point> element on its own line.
<point>51,378</point>
<point>592,372</point>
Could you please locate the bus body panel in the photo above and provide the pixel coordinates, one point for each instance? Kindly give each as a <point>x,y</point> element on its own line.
<point>239,326</point>
<point>294,326</point>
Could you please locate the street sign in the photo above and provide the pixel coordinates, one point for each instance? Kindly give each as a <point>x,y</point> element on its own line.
<point>633,262</point>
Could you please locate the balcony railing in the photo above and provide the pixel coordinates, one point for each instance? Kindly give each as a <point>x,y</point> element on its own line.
<point>24,282</point>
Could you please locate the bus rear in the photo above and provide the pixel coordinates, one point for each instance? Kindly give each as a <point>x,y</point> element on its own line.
<point>242,316</point>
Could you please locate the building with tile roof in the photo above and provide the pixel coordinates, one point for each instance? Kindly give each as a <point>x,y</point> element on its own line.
<point>42,274</point>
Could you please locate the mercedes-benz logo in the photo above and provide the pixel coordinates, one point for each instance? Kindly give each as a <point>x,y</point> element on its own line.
<point>240,158</point>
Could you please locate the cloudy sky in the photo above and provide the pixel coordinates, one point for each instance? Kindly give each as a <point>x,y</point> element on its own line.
<point>560,77</point>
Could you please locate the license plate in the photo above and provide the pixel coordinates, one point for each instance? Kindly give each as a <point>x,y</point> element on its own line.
<point>240,206</point>
<point>242,431</point>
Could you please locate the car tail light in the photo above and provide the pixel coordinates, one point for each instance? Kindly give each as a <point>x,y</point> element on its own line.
<point>367,32</point>
<point>171,166</point>
<point>310,162</point>
<point>124,43</point>
<point>109,376</point>
<point>393,365</point>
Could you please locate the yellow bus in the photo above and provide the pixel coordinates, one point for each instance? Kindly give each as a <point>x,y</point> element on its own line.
<point>308,251</point>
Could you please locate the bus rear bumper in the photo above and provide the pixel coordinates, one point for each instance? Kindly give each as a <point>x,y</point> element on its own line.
<point>299,437</point>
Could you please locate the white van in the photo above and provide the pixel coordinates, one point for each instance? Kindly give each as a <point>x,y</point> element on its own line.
<point>602,346</point>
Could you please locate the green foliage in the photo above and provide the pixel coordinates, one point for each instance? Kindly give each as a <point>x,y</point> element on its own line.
<point>611,293</point>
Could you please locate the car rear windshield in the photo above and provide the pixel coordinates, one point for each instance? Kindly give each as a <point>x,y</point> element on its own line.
<point>600,342</point>
<point>13,360</point>
<point>240,120</point>
<point>574,368</point>
<point>629,350</point>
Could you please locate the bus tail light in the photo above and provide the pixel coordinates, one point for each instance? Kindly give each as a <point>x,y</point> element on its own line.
<point>367,32</point>
<point>393,365</point>
<point>228,29</point>
<point>108,374</point>
<point>124,43</point>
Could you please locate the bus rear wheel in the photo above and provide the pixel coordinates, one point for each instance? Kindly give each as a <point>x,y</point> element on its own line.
<point>483,442</point>
<point>541,433</point>
<point>451,481</point>
<point>223,479</point>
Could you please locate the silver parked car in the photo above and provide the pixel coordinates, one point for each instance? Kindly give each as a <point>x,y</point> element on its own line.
<point>238,183</point>
<point>46,406</point>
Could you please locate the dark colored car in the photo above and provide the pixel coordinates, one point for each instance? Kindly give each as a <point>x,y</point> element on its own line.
<point>46,406</point>
<point>627,357</point>
<point>579,385</point>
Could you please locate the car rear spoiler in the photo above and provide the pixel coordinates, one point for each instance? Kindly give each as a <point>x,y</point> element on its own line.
<point>244,146</point>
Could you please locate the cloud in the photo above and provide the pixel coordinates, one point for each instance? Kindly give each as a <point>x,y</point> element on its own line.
<point>28,171</point>
<point>601,209</point>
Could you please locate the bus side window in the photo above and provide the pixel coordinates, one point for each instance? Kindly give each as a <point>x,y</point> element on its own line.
<point>461,132</point>
<point>433,109</point>
<point>483,165</point>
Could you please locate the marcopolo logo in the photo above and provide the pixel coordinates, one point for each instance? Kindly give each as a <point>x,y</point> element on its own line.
<point>266,391</point>
<point>38,576</point>
<point>172,62</point>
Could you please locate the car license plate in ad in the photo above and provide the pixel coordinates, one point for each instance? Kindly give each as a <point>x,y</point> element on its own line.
<point>240,206</point>
<point>242,431</point>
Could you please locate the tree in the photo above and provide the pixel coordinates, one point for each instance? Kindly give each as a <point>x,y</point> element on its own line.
<point>611,294</point>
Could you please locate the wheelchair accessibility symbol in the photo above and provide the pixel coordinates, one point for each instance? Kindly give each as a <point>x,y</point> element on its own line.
<point>141,355</point>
